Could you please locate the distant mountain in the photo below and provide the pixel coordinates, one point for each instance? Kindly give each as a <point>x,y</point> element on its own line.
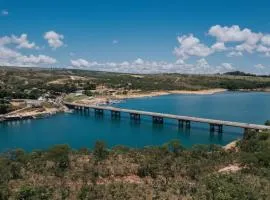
<point>239,73</point>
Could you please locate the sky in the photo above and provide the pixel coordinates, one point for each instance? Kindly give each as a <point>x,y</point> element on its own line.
<point>142,36</point>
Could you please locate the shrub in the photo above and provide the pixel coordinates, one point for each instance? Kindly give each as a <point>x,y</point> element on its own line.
<point>59,154</point>
<point>267,123</point>
<point>100,151</point>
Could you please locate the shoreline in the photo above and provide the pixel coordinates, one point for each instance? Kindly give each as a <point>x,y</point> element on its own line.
<point>113,99</point>
<point>161,93</point>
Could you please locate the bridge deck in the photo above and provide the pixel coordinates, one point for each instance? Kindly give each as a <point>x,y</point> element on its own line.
<point>177,117</point>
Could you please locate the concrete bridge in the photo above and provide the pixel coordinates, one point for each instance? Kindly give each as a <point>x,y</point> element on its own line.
<point>184,121</point>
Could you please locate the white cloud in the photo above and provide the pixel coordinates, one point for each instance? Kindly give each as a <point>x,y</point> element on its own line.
<point>227,66</point>
<point>82,63</point>
<point>138,61</point>
<point>54,39</point>
<point>10,57</point>
<point>246,37</point>
<point>4,12</point>
<point>191,46</point>
<point>266,40</point>
<point>235,54</point>
<point>219,46</point>
<point>259,66</point>
<point>245,47</point>
<point>21,41</point>
<point>141,66</point>
<point>263,49</point>
<point>228,38</point>
<point>125,63</point>
<point>234,34</point>
<point>40,59</point>
<point>6,53</point>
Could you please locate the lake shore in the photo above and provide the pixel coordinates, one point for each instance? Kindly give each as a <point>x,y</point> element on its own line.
<point>111,99</point>
<point>160,93</point>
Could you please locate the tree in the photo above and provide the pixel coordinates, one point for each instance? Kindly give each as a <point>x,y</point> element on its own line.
<point>59,154</point>
<point>88,93</point>
<point>100,151</point>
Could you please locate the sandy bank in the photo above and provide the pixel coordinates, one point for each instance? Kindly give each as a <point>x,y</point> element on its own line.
<point>159,93</point>
<point>103,100</point>
<point>231,146</point>
<point>30,113</point>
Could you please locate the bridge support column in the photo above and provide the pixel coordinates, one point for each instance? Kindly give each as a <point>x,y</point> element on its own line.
<point>216,127</point>
<point>187,124</point>
<point>158,120</point>
<point>135,116</point>
<point>183,123</point>
<point>115,114</point>
<point>99,111</point>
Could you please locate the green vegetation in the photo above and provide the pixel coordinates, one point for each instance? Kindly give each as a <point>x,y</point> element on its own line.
<point>160,172</point>
<point>5,106</point>
<point>33,82</point>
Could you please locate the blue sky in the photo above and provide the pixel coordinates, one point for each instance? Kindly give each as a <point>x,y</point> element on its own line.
<point>137,36</point>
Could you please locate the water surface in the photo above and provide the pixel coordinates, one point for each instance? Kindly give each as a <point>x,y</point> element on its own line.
<point>82,129</point>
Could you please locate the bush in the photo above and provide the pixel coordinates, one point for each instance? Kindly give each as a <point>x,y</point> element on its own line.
<point>100,151</point>
<point>34,193</point>
<point>59,154</point>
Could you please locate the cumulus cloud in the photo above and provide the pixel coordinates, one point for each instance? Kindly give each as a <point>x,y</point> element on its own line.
<point>234,54</point>
<point>40,59</point>
<point>219,46</point>
<point>10,57</point>
<point>234,34</point>
<point>266,40</point>
<point>82,63</point>
<point>21,41</point>
<point>246,37</point>
<point>54,39</point>
<point>259,66</point>
<point>7,53</point>
<point>138,61</point>
<point>227,66</point>
<point>140,66</point>
<point>4,12</point>
<point>234,39</point>
<point>191,46</point>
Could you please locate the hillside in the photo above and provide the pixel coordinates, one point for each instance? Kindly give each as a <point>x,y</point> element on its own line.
<point>32,82</point>
<point>165,172</point>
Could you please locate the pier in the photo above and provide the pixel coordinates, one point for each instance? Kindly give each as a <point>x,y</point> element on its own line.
<point>183,121</point>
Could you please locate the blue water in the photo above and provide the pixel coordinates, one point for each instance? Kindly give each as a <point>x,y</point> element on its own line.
<point>82,129</point>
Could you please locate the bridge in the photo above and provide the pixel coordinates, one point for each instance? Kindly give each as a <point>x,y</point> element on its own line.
<point>184,121</point>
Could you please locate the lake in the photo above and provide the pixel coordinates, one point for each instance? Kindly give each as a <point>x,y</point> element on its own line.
<point>82,129</point>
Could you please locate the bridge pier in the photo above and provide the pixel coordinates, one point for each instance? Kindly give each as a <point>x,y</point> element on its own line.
<point>183,123</point>
<point>135,116</point>
<point>99,111</point>
<point>216,127</point>
<point>157,120</point>
<point>115,114</point>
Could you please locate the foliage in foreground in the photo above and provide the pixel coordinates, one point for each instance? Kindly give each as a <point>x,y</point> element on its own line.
<point>166,172</point>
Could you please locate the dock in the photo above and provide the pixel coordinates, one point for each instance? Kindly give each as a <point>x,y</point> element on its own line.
<point>183,121</point>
